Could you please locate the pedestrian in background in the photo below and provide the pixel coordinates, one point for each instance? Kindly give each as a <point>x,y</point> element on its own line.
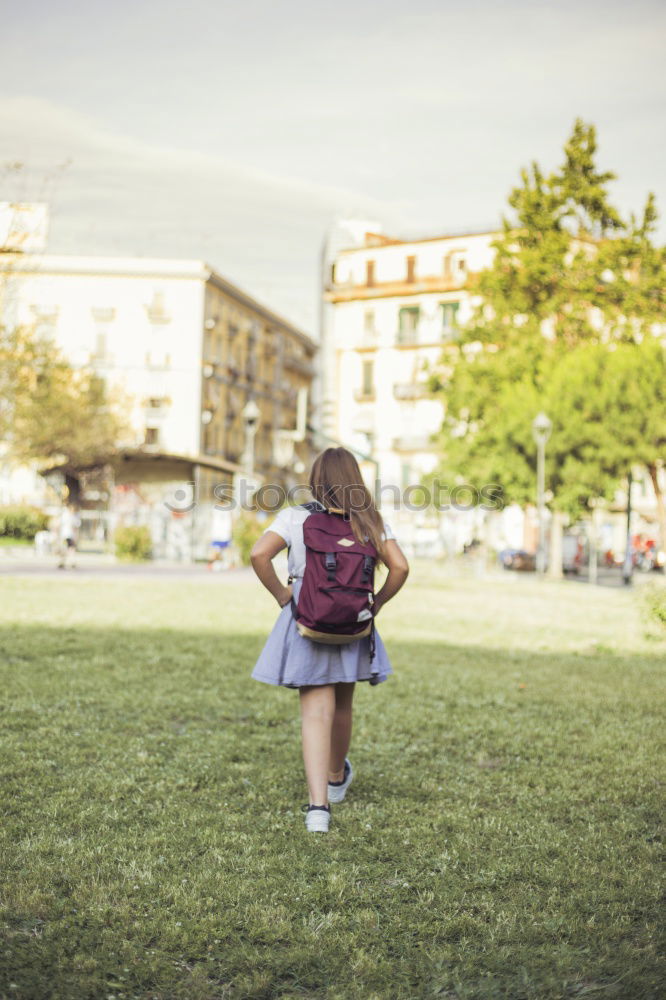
<point>68,533</point>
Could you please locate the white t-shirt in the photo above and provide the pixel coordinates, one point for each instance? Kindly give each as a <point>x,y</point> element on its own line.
<point>69,523</point>
<point>289,525</point>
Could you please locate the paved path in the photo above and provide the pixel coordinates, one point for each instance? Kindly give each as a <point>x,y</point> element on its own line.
<point>89,565</point>
<point>21,563</point>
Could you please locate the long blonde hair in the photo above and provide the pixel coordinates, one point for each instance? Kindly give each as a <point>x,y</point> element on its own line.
<point>336,482</point>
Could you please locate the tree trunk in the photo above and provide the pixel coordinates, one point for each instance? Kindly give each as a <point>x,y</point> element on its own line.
<point>555,557</point>
<point>661,506</point>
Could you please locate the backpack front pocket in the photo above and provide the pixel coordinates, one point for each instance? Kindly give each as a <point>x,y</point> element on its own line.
<point>344,605</point>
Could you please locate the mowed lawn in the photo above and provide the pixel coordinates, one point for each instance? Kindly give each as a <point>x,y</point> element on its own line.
<point>501,839</point>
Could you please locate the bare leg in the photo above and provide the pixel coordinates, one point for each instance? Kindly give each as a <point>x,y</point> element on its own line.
<point>342,729</point>
<point>317,711</point>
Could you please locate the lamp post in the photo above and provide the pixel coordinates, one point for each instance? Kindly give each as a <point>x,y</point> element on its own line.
<point>628,564</point>
<point>541,428</point>
<point>250,415</point>
<point>244,483</point>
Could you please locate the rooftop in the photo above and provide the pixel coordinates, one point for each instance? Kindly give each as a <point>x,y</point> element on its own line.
<point>142,267</point>
<point>379,240</point>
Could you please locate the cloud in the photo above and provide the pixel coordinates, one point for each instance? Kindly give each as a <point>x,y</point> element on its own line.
<point>111,194</point>
<point>237,132</point>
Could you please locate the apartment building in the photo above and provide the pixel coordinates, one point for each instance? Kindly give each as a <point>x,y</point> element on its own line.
<point>190,351</point>
<point>391,310</point>
<point>392,307</point>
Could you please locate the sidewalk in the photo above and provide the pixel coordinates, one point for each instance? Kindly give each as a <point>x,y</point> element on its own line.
<point>23,561</point>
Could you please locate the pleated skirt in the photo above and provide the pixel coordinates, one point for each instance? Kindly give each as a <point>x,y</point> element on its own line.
<point>288,659</point>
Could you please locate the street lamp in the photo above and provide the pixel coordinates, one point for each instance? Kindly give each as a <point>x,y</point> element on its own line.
<point>541,428</point>
<point>250,414</point>
<point>628,564</point>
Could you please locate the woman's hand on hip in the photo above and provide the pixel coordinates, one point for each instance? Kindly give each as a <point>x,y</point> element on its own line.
<point>284,597</point>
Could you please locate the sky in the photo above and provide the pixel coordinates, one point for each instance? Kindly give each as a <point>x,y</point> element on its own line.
<point>238,132</point>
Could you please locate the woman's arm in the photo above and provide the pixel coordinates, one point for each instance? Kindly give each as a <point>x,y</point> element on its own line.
<point>263,552</point>
<point>398,571</point>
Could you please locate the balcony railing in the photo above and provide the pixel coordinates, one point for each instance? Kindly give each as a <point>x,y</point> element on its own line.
<point>364,395</point>
<point>410,390</point>
<point>450,333</point>
<point>407,338</point>
<point>300,365</point>
<point>413,442</point>
<point>369,338</point>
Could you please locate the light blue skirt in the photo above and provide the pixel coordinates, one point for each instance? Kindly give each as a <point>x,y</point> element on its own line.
<point>290,660</point>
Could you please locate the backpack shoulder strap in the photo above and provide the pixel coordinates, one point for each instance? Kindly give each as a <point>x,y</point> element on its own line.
<point>314,507</point>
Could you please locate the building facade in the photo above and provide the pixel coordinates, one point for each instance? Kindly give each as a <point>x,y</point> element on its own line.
<point>391,312</point>
<point>187,351</point>
<point>394,307</point>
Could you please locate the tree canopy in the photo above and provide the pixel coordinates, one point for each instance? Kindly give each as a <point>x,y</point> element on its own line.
<point>565,322</point>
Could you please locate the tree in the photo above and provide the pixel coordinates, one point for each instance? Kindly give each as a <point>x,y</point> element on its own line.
<point>49,411</point>
<point>570,286</point>
<point>637,410</point>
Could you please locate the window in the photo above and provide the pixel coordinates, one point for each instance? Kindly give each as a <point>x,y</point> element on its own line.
<point>369,273</point>
<point>103,316</point>
<point>152,435</point>
<point>157,360</point>
<point>368,383</point>
<point>46,318</point>
<point>449,318</point>
<point>156,310</point>
<point>411,270</point>
<point>369,321</point>
<point>462,265</point>
<point>408,324</point>
<point>447,266</point>
<point>100,344</point>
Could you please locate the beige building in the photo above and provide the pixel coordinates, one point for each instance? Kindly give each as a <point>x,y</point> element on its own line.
<point>391,307</point>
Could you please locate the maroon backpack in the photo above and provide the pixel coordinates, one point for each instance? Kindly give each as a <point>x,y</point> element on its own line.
<point>335,603</point>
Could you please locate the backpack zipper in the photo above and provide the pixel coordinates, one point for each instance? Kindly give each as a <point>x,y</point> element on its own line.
<point>358,590</point>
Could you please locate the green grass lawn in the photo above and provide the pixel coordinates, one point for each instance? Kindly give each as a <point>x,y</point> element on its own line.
<point>501,839</point>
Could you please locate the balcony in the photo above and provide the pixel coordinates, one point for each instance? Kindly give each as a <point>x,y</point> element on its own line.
<point>100,359</point>
<point>450,334</point>
<point>410,390</point>
<point>364,395</point>
<point>407,338</point>
<point>369,339</point>
<point>413,442</point>
<point>156,409</point>
<point>300,365</point>
<point>348,291</point>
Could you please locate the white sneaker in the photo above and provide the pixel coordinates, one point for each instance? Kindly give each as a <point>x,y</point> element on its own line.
<point>338,790</point>
<point>317,818</point>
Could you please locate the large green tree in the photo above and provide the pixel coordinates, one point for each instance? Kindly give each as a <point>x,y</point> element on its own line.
<point>570,282</point>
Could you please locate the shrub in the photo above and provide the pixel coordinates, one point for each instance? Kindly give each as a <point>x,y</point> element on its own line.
<point>22,521</point>
<point>654,603</point>
<point>133,542</point>
<point>247,530</point>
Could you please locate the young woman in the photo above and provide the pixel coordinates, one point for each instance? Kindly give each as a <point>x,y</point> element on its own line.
<point>325,674</point>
